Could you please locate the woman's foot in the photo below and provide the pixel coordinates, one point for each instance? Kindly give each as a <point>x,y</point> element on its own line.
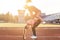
<point>33,37</point>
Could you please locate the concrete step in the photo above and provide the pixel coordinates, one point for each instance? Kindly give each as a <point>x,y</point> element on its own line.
<point>11,38</point>
<point>16,33</point>
<point>48,31</point>
<point>11,31</point>
<point>45,33</point>
<point>44,38</point>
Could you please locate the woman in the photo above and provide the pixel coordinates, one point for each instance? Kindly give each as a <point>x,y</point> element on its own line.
<point>35,18</point>
<point>33,23</point>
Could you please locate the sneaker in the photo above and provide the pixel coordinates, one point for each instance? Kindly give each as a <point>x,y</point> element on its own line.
<point>33,37</point>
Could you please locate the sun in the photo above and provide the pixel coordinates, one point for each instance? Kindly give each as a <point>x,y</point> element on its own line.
<point>12,6</point>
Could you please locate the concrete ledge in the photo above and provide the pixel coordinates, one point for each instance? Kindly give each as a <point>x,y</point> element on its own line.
<point>23,25</point>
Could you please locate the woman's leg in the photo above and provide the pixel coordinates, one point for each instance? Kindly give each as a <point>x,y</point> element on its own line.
<point>25,30</point>
<point>34,31</point>
<point>34,28</point>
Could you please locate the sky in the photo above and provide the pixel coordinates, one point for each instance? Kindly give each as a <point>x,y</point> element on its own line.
<point>46,6</point>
